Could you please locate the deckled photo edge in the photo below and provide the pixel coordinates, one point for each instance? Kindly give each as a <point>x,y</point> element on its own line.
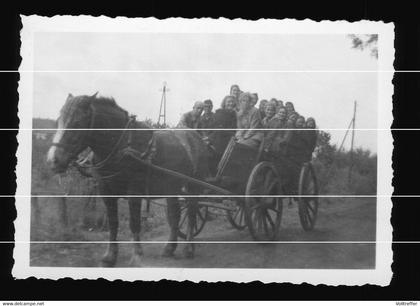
<point>381,275</point>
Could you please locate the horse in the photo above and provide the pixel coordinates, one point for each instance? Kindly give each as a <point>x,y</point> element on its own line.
<point>103,126</point>
<point>100,124</point>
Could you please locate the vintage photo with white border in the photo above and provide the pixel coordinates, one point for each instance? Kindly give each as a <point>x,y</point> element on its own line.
<point>205,150</point>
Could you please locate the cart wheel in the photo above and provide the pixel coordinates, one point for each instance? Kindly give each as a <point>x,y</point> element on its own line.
<point>201,218</point>
<point>237,217</point>
<point>263,215</point>
<point>308,206</point>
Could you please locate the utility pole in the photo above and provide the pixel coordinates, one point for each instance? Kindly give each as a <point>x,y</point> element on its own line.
<point>162,115</point>
<point>352,126</point>
<point>352,140</point>
<point>162,109</point>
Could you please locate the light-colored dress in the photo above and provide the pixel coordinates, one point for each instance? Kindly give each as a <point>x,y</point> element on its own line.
<point>251,121</point>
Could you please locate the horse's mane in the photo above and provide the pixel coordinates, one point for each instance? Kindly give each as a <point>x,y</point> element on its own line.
<point>110,102</point>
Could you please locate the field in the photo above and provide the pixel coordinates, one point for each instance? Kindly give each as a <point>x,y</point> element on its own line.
<point>339,220</point>
<point>69,224</point>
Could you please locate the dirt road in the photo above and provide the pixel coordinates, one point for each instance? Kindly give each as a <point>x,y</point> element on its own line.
<point>339,220</point>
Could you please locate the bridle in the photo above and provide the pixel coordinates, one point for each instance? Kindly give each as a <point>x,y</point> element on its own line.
<point>86,137</point>
<point>70,147</point>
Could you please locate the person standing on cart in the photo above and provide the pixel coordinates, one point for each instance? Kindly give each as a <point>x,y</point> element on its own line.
<point>235,92</point>
<point>248,122</point>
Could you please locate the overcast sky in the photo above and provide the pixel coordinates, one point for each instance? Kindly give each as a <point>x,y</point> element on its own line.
<point>194,67</point>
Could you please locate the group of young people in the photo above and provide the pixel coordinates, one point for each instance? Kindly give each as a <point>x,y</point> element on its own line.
<point>283,131</point>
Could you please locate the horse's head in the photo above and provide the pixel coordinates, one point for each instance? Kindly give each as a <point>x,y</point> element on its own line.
<point>73,124</point>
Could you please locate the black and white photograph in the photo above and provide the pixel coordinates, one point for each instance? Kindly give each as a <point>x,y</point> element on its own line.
<point>207,149</point>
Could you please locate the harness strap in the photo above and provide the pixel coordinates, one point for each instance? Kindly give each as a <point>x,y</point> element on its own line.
<point>130,132</point>
<point>102,163</point>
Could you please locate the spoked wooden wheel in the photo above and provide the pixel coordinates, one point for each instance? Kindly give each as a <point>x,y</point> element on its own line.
<point>308,206</point>
<point>263,214</point>
<point>200,220</point>
<point>237,217</point>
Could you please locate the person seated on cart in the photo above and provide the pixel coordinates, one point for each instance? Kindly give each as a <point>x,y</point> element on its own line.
<point>276,141</point>
<point>290,108</point>
<point>278,147</point>
<point>191,119</point>
<point>311,137</point>
<point>248,122</point>
<point>229,102</point>
<point>224,119</point>
<point>296,153</point>
<point>270,112</point>
<point>261,108</point>
<point>273,124</point>
<point>275,101</point>
<point>207,118</point>
<point>298,145</point>
<point>279,105</point>
<point>254,99</point>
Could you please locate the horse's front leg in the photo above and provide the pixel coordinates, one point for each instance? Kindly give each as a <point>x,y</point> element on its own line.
<point>173,214</point>
<point>110,257</point>
<point>135,227</point>
<point>192,206</point>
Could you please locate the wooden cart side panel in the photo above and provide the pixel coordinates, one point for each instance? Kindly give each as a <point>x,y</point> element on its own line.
<point>238,165</point>
<point>225,157</point>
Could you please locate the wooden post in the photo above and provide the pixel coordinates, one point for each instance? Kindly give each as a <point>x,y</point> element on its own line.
<point>352,141</point>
